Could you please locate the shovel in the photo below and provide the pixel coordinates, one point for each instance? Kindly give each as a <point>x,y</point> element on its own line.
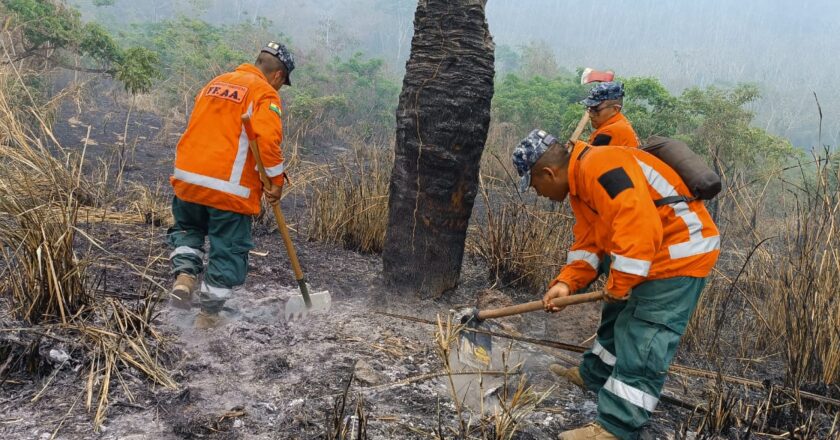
<point>298,306</point>
<point>477,346</point>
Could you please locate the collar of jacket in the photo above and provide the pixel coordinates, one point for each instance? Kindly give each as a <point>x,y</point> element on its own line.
<point>574,162</point>
<point>616,118</point>
<point>252,69</point>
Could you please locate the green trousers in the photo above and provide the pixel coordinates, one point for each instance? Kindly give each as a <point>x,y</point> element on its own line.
<point>636,342</point>
<point>229,234</point>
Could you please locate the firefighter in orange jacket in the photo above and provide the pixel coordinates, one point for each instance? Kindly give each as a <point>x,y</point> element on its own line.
<point>216,184</point>
<point>633,208</point>
<point>604,105</point>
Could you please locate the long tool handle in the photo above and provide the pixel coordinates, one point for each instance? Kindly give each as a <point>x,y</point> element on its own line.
<point>278,214</point>
<point>579,129</point>
<point>538,305</point>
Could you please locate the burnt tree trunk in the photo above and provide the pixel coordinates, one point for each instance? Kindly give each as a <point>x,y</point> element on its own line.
<point>442,121</point>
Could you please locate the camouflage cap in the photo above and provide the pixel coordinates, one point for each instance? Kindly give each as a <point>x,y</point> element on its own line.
<point>605,91</point>
<point>528,152</point>
<point>284,55</point>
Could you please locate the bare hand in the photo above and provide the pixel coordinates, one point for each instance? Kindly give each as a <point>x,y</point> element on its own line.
<point>559,290</point>
<point>273,193</point>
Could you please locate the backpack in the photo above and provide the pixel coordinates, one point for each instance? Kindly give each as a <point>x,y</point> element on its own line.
<point>704,183</point>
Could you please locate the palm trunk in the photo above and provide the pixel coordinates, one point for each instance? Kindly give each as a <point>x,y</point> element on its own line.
<point>442,121</point>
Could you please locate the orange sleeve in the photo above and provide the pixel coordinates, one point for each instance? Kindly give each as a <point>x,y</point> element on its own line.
<point>622,199</point>
<point>269,130</point>
<point>582,260</point>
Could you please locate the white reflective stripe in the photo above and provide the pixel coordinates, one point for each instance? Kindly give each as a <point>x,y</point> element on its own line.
<point>691,219</point>
<point>599,350</point>
<point>241,156</point>
<point>216,292</point>
<point>692,248</point>
<point>586,256</point>
<point>241,153</point>
<point>631,265</point>
<point>633,395</point>
<point>275,170</point>
<point>696,244</point>
<point>212,183</point>
<point>181,250</point>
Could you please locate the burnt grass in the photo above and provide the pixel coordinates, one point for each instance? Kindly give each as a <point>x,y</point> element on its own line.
<point>260,377</point>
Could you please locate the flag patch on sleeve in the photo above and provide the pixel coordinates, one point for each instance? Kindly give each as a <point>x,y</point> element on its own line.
<point>276,109</point>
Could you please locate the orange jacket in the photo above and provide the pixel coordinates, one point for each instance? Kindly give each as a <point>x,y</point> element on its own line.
<point>612,192</point>
<point>213,163</point>
<point>616,131</point>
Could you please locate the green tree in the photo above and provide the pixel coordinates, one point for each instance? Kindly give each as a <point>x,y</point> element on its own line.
<point>52,31</point>
<point>715,122</point>
<point>191,52</point>
<point>721,129</point>
<point>355,93</point>
<point>550,104</point>
<point>653,110</point>
<point>137,70</point>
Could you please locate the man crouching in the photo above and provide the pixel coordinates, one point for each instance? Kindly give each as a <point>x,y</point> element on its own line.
<point>660,254</point>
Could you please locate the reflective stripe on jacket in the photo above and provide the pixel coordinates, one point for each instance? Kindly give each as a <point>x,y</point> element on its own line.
<point>612,192</point>
<point>616,131</point>
<point>213,163</point>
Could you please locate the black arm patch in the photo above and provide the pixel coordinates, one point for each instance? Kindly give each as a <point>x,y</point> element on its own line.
<point>601,139</point>
<point>615,181</point>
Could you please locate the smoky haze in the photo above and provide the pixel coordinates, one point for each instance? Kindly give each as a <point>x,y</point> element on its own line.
<point>788,48</point>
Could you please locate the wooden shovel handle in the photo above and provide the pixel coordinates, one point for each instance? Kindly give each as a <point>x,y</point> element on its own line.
<point>579,129</point>
<point>538,305</point>
<point>278,214</point>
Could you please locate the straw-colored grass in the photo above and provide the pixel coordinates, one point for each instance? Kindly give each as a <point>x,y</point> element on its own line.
<point>522,242</point>
<point>46,259</point>
<point>777,279</point>
<point>348,202</point>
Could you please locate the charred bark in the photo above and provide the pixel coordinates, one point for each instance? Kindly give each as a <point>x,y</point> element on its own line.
<point>442,121</point>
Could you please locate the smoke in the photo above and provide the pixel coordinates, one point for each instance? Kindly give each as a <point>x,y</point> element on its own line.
<point>787,47</point>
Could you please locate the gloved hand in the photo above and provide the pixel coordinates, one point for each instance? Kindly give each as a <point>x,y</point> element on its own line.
<point>273,193</point>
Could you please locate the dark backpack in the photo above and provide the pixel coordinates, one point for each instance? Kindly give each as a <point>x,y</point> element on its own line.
<point>704,183</point>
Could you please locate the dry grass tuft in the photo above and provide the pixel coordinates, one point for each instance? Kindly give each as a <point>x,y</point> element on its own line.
<point>521,242</point>
<point>799,275</point>
<point>150,204</point>
<point>46,282</point>
<point>348,202</point>
<point>40,195</point>
<point>778,277</point>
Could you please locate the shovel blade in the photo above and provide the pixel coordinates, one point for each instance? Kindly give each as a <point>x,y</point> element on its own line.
<point>296,308</point>
<point>474,348</point>
<point>475,352</point>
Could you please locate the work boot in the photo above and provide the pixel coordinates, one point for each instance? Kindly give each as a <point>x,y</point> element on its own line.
<point>182,290</point>
<point>571,374</point>
<point>207,320</point>
<point>592,431</point>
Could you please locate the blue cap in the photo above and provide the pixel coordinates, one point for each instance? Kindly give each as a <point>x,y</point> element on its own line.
<point>606,91</point>
<point>528,152</point>
<point>283,54</point>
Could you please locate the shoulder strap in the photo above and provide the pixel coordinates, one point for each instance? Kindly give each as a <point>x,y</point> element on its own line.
<point>672,200</point>
<point>583,152</point>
